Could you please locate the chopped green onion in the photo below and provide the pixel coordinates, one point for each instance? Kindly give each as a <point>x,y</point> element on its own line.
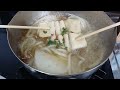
<point>50,42</point>
<point>57,43</point>
<point>45,32</point>
<point>65,31</point>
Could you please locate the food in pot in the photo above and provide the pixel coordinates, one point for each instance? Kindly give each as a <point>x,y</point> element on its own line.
<point>56,51</point>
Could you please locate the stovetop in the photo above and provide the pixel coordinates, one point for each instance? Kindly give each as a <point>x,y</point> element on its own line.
<point>11,68</point>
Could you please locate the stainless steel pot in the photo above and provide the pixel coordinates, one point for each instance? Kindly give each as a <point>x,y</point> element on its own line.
<point>98,19</point>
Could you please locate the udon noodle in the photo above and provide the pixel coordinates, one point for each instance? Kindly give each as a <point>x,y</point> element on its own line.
<point>55,51</point>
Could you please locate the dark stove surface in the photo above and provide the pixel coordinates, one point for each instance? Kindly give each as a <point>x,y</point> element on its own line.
<point>105,72</point>
<point>11,68</point>
<point>8,62</point>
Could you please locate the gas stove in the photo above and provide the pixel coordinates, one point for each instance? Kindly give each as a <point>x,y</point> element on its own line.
<point>11,68</point>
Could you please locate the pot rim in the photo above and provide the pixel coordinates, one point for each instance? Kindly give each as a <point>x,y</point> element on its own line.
<point>34,69</point>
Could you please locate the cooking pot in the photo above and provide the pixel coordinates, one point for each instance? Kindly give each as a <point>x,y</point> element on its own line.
<point>98,19</point>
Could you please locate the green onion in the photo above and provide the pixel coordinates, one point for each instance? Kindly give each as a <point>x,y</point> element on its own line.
<point>50,42</point>
<point>57,43</point>
<point>65,31</point>
<point>45,32</point>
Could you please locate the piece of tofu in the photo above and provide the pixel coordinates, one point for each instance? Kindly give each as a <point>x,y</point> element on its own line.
<point>52,27</point>
<point>60,38</point>
<point>53,37</point>
<point>44,32</point>
<point>57,28</point>
<point>44,25</point>
<point>73,25</point>
<point>77,44</point>
<point>67,43</point>
<point>62,25</point>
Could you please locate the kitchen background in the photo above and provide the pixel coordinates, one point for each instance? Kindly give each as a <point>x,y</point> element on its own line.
<point>11,68</point>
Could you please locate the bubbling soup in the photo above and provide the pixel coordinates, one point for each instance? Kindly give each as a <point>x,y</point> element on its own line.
<point>56,51</point>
